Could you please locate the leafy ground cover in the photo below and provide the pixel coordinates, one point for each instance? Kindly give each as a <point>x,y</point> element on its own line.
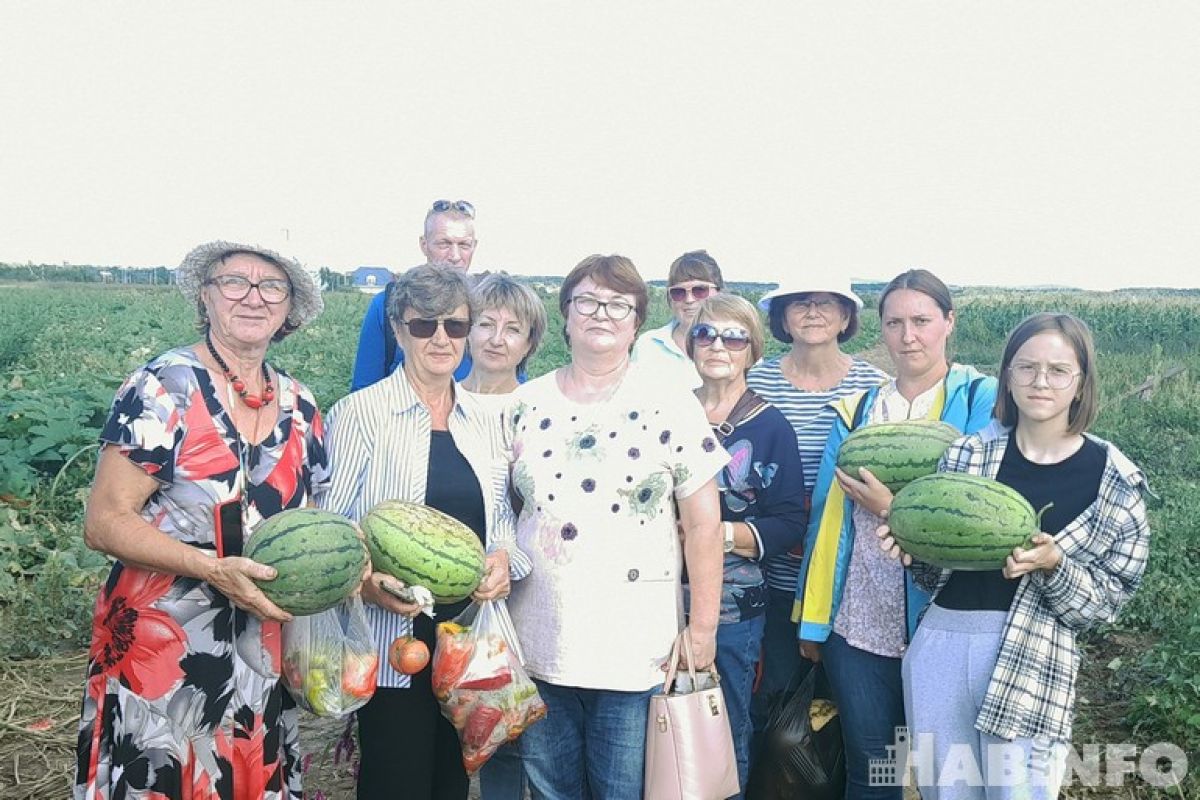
<point>64,349</point>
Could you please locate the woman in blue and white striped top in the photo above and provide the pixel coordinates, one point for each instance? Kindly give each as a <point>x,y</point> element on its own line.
<point>815,317</point>
<point>417,436</point>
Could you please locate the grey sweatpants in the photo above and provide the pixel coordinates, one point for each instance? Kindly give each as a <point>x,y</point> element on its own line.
<point>946,672</point>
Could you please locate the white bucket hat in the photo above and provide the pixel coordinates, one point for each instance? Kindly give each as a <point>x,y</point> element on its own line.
<point>838,286</point>
<point>196,266</point>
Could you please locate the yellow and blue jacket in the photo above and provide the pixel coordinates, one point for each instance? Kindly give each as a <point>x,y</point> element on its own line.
<point>965,401</point>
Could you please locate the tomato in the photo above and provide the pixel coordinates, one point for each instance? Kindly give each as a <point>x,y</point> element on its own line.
<point>359,671</point>
<point>408,655</point>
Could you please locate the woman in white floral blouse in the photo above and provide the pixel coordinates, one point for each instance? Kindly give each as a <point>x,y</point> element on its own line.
<point>603,461</point>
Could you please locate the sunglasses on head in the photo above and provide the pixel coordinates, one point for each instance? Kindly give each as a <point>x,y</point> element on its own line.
<point>426,328</point>
<point>461,206</point>
<point>700,292</point>
<point>735,339</point>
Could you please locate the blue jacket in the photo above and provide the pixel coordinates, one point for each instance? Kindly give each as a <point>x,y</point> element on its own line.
<point>369,366</point>
<point>966,403</point>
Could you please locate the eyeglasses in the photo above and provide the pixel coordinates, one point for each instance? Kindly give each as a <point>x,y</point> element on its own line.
<point>680,293</point>
<point>426,328</point>
<point>235,288</point>
<point>616,310</point>
<point>734,339</point>
<point>822,306</point>
<point>1058,376</point>
<point>461,206</point>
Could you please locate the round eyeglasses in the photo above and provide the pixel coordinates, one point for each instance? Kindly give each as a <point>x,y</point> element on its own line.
<point>616,310</point>
<point>235,288</point>
<point>1058,376</point>
<point>734,339</point>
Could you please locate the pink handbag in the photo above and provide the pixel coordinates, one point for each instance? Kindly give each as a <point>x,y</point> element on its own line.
<point>689,747</point>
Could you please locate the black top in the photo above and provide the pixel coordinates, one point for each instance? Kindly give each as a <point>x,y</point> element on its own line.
<point>1071,485</point>
<point>452,488</point>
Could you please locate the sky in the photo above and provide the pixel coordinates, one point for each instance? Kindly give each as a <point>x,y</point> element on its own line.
<point>1013,143</point>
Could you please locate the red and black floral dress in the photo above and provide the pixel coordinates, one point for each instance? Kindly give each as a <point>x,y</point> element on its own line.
<point>183,697</point>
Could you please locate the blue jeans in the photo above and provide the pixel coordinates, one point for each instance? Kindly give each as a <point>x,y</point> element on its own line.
<point>502,776</point>
<point>592,743</point>
<point>738,646</point>
<point>869,695</point>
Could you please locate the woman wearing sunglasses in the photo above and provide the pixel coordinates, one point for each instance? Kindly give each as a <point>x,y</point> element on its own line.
<point>602,460</point>
<point>693,277</point>
<point>858,608</point>
<point>992,666</point>
<point>814,317</point>
<point>761,490</point>
<point>417,436</point>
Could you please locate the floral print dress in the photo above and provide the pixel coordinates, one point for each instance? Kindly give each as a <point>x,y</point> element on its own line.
<point>183,698</point>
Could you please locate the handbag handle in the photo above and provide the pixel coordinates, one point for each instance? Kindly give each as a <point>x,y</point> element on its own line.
<point>684,641</point>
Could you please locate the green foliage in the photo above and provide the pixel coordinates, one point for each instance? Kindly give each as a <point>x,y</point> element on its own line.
<point>65,349</point>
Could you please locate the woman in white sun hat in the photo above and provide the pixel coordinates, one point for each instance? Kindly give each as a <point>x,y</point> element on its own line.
<point>815,316</point>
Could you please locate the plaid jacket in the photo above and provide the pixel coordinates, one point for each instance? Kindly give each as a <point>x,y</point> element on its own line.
<point>1032,688</point>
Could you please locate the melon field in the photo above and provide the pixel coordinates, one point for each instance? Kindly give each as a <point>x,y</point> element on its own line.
<point>65,348</point>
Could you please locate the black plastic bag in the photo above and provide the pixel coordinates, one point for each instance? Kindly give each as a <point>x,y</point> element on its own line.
<point>794,760</point>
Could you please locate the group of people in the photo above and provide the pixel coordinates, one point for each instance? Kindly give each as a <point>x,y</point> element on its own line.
<point>672,480</point>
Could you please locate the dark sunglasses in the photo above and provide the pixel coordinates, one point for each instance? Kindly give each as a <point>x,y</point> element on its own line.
<point>426,328</point>
<point>678,293</point>
<point>735,339</point>
<point>461,206</point>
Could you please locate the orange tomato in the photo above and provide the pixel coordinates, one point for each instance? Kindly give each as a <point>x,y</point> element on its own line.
<point>408,655</point>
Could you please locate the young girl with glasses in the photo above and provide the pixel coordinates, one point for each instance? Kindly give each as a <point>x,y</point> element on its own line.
<point>993,665</point>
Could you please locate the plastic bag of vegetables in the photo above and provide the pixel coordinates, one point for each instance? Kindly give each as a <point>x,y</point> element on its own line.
<point>480,683</point>
<point>330,664</point>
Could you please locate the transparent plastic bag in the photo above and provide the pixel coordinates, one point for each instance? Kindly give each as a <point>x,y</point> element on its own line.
<point>330,664</point>
<point>480,682</point>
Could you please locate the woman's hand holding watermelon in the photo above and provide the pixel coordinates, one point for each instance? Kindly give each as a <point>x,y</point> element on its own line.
<point>1045,555</point>
<point>495,584</point>
<point>234,576</point>
<point>866,491</point>
<point>887,543</point>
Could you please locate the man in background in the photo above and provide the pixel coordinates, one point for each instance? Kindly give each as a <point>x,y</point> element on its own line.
<point>448,241</point>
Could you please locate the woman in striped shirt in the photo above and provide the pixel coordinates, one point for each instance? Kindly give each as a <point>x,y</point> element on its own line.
<point>815,317</point>
<point>417,436</point>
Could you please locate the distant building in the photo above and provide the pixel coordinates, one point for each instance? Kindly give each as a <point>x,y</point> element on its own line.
<point>370,279</point>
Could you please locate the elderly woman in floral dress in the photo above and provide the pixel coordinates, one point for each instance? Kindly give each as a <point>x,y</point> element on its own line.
<point>183,696</point>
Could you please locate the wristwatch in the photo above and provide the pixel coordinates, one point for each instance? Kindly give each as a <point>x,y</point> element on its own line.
<point>728,536</point>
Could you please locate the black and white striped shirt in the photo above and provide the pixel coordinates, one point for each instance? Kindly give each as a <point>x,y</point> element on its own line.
<point>378,444</point>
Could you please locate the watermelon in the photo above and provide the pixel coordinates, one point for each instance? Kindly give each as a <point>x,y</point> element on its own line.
<point>959,521</point>
<point>318,556</point>
<point>424,547</point>
<point>896,452</point>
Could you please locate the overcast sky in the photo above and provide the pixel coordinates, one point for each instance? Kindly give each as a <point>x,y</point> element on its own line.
<point>1003,143</point>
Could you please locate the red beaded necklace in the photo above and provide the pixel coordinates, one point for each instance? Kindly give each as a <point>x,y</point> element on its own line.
<point>239,386</point>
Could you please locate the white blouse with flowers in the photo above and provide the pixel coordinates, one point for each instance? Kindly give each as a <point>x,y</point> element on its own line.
<point>602,603</point>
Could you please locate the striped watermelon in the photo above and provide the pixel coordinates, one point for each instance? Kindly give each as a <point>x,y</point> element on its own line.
<point>959,521</point>
<point>318,555</point>
<point>897,452</point>
<point>424,547</point>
